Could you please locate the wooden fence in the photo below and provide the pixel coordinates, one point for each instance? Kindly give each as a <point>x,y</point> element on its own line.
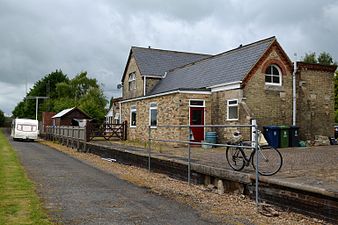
<point>71,135</point>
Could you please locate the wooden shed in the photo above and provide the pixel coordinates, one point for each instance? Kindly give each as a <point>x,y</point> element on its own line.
<point>70,117</point>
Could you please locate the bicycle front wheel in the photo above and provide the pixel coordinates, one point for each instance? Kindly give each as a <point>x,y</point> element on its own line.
<point>235,158</point>
<point>270,161</point>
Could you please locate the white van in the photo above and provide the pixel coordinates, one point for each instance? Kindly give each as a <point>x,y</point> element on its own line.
<point>26,129</point>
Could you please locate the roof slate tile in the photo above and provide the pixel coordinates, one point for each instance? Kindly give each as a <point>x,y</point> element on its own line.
<point>230,66</point>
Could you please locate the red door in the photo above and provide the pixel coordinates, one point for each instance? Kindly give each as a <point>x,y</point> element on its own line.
<point>197,118</point>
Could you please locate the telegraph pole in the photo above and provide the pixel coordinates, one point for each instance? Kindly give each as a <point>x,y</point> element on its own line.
<point>36,103</point>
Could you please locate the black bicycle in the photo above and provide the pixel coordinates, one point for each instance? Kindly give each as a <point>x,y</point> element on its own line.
<point>270,159</point>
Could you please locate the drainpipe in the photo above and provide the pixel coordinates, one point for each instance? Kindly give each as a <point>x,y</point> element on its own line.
<point>294,97</point>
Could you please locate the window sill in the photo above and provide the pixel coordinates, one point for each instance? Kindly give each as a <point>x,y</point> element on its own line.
<point>232,119</point>
<point>132,126</point>
<point>273,87</point>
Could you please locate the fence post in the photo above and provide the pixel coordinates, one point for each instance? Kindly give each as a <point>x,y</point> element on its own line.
<point>125,130</point>
<point>85,137</point>
<point>149,147</point>
<point>255,130</point>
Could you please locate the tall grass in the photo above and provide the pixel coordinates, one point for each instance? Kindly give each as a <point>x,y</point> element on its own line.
<point>19,203</point>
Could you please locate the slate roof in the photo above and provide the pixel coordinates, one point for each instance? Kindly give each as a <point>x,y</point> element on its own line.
<point>155,62</point>
<point>230,66</point>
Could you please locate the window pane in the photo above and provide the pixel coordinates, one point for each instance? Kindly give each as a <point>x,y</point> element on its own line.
<point>133,118</point>
<point>153,104</point>
<point>233,112</point>
<point>275,70</point>
<point>268,70</point>
<point>153,117</point>
<point>232,102</point>
<point>196,102</point>
<point>197,117</point>
<point>267,79</point>
<point>276,80</point>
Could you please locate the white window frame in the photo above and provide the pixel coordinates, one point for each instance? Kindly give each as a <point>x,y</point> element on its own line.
<point>271,75</point>
<point>153,106</point>
<point>232,105</point>
<point>200,100</point>
<point>133,109</point>
<point>132,80</point>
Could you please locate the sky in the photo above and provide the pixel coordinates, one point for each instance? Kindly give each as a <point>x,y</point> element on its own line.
<point>41,36</point>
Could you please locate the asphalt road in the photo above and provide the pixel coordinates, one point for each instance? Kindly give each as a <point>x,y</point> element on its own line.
<point>76,193</point>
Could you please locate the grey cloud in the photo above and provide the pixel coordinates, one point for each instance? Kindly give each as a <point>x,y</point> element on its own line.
<point>41,36</point>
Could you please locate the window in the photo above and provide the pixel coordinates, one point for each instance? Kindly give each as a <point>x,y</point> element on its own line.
<point>133,116</point>
<point>196,103</point>
<point>132,81</point>
<point>153,115</point>
<point>273,75</point>
<point>232,109</point>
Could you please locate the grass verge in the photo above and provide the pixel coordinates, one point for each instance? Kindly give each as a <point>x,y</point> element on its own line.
<point>19,203</point>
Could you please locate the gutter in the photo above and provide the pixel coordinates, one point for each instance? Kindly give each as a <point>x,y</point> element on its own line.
<point>167,93</point>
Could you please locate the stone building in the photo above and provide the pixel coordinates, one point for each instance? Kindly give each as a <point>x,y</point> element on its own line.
<point>163,87</point>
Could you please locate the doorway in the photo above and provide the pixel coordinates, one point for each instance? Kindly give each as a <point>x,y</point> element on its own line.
<point>197,118</point>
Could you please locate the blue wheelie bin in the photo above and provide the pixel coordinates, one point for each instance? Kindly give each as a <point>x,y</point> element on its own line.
<point>272,134</point>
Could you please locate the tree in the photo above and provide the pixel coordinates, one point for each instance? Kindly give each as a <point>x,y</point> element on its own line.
<point>325,58</point>
<point>83,92</point>
<point>2,118</point>
<point>43,87</point>
<point>94,103</point>
<point>310,58</point>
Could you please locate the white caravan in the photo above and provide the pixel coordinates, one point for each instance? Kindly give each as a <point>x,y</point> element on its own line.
<point>25,129</point>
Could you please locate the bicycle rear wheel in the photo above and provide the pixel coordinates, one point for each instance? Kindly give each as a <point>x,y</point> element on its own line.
<point>270,161</point>
<point>235,158</point>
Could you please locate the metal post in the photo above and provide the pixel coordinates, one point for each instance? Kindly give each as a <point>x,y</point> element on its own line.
<point>257,161</point>
<point>189,155</point>
<point>36,108</point>
<point>149,148</point>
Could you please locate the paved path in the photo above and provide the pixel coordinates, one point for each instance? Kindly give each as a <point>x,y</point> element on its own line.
<point>76,193</point>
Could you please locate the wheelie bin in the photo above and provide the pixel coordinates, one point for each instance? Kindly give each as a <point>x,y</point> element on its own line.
<point>294,136</point>
<point>284,136</point>
<point>272,133</point>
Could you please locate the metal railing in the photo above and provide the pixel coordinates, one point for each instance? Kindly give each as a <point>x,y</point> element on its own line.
<point>189,143</point>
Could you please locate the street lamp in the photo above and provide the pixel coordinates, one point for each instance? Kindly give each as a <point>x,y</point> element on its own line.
<point>36,103</point>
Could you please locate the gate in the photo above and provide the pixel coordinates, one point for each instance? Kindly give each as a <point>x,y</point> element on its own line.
<point>107,131</point>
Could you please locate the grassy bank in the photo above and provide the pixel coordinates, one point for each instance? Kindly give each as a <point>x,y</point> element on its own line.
<point>19,203</point>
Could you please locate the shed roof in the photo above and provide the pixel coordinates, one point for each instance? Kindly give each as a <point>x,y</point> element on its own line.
<point>227,67</point>
<point>62,113</point>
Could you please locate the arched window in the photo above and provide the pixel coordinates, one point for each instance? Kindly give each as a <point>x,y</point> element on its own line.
<point>273,75</point>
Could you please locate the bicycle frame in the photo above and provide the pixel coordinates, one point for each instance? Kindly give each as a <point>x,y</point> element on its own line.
<point>247,160</point>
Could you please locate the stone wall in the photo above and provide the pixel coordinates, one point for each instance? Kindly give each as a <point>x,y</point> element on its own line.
<point>150,84</point>
<point>270,105</point>
<point>315,101</point>
<point>219,115</point>
<point>173,109</point>
<point>132,67</point>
